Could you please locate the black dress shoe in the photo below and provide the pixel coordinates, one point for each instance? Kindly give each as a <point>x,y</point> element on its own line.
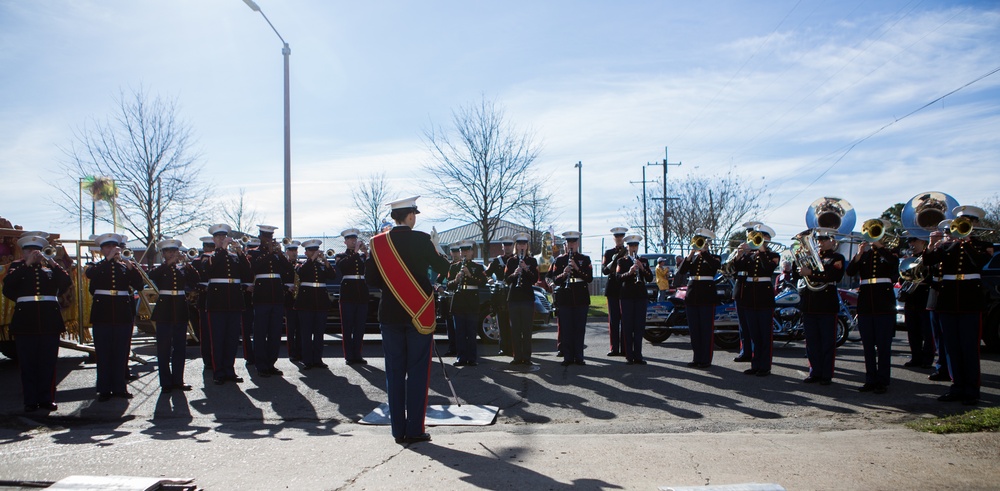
<point>263,373</point>
<point>825,381</point>
<point>703,365</point>
<point>103,397</point>
<point>614,353</point>
<point>939,376</point>
<point>460,364</point>
<point>691,364</point>
<point>811,380</point>
<point>751,371</point>
<point>629,362</point>
<point>762,373</point>
<point>235,379</point>
<point>641,362</point>
<point>401,440</point>
<point>48,406</point>
<point>580,362</point>
<point>184,387</point>
<point>30,408</point>
<point>566,363</point>
<point>417,439</point>
<point>219,381</point>
<point>471,364</point>
<point>362,361</point>
<point>912,363</point>
<point>275,371</point>
<point>122,395</point>
<point>949,397</point>
<point>743,358</point>
<point>307,366</point>
<point>866,388</point>
<point>132,378</point>
<point>319,364</point>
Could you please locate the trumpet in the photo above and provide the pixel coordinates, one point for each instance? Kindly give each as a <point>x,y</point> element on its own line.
<point>330,253</point>
<point>192,252</point>
<point>960,227</point>
<point>755,239</point>
<point>698,242</point>
<point>49,253</point>
<point>127,254</point>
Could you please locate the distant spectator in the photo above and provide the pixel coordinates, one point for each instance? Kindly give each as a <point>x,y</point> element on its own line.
<point>680,279</point>
<point>662,279</point>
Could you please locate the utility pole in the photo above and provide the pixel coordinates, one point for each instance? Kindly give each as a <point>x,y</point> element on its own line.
<point>645,223</point>
<point>579,210</point>
<point>666,214</point>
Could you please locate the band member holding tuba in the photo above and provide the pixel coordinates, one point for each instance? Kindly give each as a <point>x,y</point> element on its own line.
<point>612,290</point>
<point>499,299</point>
<point>633,272</point>
<point>756,296</point>
<point>570,273</point>
<point>273,275</point>
<point>960,302</point>
<point>469,278</point>
<point>225,272</point>
<point>399,262</point>
<point>112,283</point>
<point>701,266</point>
<point>312,303</point>
<point>739,281</point>
<point>820,304</point>
<point>878,267</point>
<point>353,297</point>
<point>173,278</point>
<point>520,274</point>
<point>34,283</point>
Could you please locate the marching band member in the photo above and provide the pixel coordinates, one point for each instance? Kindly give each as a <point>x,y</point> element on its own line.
<point>112,283</point>
<point>960,302</point>
<point>499,300</point>
<point>34,283</point>
<point>399,262</point>
<point>225,272</point>
<point>293,335</point>
<point>757,263</point>
<point>312,302</point>
<point>701,298</point>
<point>353,297</point>
<point>819,309</point>
<point>173,278</point>
<point>469,278</point>
<point>570,273</point>
<point>919,333</point>
<point>612,290</point>
<point>520,274</point>
<point>633,273</point>
<point>252,250</point>
<point>746,340</point>
<point>878,267</point>
<point>940,373</point>
<point>204,328</point>
<point>272,273</point>
<point>443,279</point>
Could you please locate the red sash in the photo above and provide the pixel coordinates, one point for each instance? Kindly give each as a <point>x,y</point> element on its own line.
<point>403,285</point>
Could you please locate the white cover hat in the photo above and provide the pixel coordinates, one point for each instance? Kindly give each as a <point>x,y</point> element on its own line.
<point>168,244</point>
<point>410,202</point>
<point>704,232</point>
<point>221,228</point>
<point>312,244</point>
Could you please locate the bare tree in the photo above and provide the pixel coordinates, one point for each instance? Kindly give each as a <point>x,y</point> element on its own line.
<point>719,203</point>
<point>370,199</point>
<point>991,222</point>
<point>483,167</point>
<point>537,212</point>
<point>238,214</point>
<point>147,151</point>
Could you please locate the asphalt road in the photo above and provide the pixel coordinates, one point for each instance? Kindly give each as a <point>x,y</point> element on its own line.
<point>605,425</point>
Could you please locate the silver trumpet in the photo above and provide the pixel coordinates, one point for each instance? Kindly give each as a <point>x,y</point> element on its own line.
<point>638,268</point>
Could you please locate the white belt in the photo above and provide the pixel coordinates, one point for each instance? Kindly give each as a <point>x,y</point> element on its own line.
<point>119,293</point>
<point>741,273</point>
<point>267,275</point>
<point>872,281</point>
<point>179,293</point>
<point>224,280</point>
<point>960,277</point>
<point>315,285</point>
<point>760,279</point>
<point>575,280</point>
<point>38,298</point>
<point>353,277</point>
<point>468,287</point>
<point>701,278</point>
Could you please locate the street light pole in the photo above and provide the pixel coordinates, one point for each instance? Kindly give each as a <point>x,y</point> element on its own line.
<point>285,51</point>
<point>579,209</point>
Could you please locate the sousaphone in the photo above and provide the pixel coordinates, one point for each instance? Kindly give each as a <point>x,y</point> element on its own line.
<point>830,212</point>
<point>922,213</point>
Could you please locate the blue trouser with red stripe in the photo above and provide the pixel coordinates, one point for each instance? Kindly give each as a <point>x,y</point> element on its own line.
<point>760,324</point>
<point>37,355</point>
<point>407,375</point>
<point>821,343</point>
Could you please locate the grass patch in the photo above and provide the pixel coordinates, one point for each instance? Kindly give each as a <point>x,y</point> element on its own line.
<point>975,421</point>
<point>598,306</point>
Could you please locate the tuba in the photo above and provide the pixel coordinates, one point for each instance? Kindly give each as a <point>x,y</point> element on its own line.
<point>830,212</point>
<point>912,272</point>
<point>923,212</point>
<point>805,251</point>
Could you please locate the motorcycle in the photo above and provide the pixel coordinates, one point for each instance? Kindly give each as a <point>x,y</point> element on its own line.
<point>666,318</point>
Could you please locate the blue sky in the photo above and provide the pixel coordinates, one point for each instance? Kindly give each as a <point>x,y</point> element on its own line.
<point>779,89</point>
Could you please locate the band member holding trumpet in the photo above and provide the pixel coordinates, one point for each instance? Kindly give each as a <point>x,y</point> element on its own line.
<point>470,277</point>
<point>273,275</point>
<point>112,283</point>
<point>293,335</point>
<point>701,266</point>
<point>633,272</point>
<point>499,301</point>
<point>252,249</point>
<point>739,281</point>
<point>173,278</point>
<point>225,272</point>
<point>960,301</point>
<point>353,296</point>
<point>612,290</point>
<point>312,303</point>
<point>520,274</point>
<point>756,296</point>
<point>878,267</point>
<point>571,272</point>
<point>204,329</point>
<point>34,283</point>
<point>820,306</point>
